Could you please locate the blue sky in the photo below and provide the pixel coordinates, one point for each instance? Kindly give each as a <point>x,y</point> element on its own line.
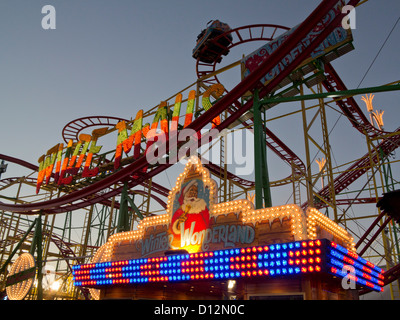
<point>112,58</point>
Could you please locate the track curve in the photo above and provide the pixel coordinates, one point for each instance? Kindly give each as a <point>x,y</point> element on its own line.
<point>73,128</point>
<point>240,35</point>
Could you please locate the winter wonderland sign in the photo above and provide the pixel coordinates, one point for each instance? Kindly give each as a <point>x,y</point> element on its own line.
<point>195,222</point>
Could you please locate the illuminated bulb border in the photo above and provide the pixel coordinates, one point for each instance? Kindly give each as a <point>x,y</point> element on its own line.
<point>199,169</point>
<point>294,212</point>
<point>316,218</point>
<point>19,290</point>
<point>244,207</point>
<point>98,257</point>
<point>268,260</point>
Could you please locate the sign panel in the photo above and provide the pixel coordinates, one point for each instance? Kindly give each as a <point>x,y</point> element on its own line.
<point>338,38</point>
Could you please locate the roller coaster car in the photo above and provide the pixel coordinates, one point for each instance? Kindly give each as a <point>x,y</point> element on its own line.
<point>209,51</point>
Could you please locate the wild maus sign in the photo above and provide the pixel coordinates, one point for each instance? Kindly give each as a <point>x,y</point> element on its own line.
<point>63,164</point>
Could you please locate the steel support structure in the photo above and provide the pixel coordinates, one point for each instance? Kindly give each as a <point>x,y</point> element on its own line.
<point>312,197</point>
<point>386,235</point>
<point>125,212</point>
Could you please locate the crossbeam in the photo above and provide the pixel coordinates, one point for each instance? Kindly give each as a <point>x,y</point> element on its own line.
<point>336,94</point>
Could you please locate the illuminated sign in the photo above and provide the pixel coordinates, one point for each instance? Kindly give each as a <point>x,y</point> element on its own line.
<point>195,222</point>
<point>268,261</point>
<point>61,165</point>
<point>192,227</point>
<point>200,239</point>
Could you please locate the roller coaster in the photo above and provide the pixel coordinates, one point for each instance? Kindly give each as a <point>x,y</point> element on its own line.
<point>116,191</point>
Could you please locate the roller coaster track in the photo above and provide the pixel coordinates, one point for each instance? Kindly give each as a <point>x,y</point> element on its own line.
<point>241,35</point>
<point>5,183</point>
<point>19,162</point>
<point>133,172</point>
<point>67,253</point>
<point>216,170</point>
<point>63,247</point>
<point>73,128</point>
<point>332,83</point>
<point>357,169</point>
<point>349,106</point>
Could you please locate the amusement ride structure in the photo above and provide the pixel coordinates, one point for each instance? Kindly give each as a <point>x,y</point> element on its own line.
<point>79,194</point>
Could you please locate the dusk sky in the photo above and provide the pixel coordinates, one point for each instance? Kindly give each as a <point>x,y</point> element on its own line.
<point>112,58</point>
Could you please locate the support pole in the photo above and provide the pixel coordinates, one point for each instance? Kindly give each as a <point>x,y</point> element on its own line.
<point>309,186</point>
<point>266,184</point>
<point>37,246</point>
<point>262,185</point>
<point>123,218</point>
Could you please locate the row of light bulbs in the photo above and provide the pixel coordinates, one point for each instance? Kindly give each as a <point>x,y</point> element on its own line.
<point>303,226</point>
<point>235,206</point>
<point>269,214</point>
<point>19,290</point>
<point>316,218</point>
<point>99,256</point>
<point>153,221</point>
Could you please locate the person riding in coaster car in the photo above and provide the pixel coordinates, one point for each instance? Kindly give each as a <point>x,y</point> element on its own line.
<point>209,51</point>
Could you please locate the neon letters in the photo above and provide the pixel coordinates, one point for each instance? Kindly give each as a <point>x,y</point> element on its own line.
<point>61,165</point>
<point>230,235</point>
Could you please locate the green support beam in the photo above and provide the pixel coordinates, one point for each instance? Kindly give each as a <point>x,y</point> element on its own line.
<point>37,246</point>
<point>124,212</point>
<point>337,94</point>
